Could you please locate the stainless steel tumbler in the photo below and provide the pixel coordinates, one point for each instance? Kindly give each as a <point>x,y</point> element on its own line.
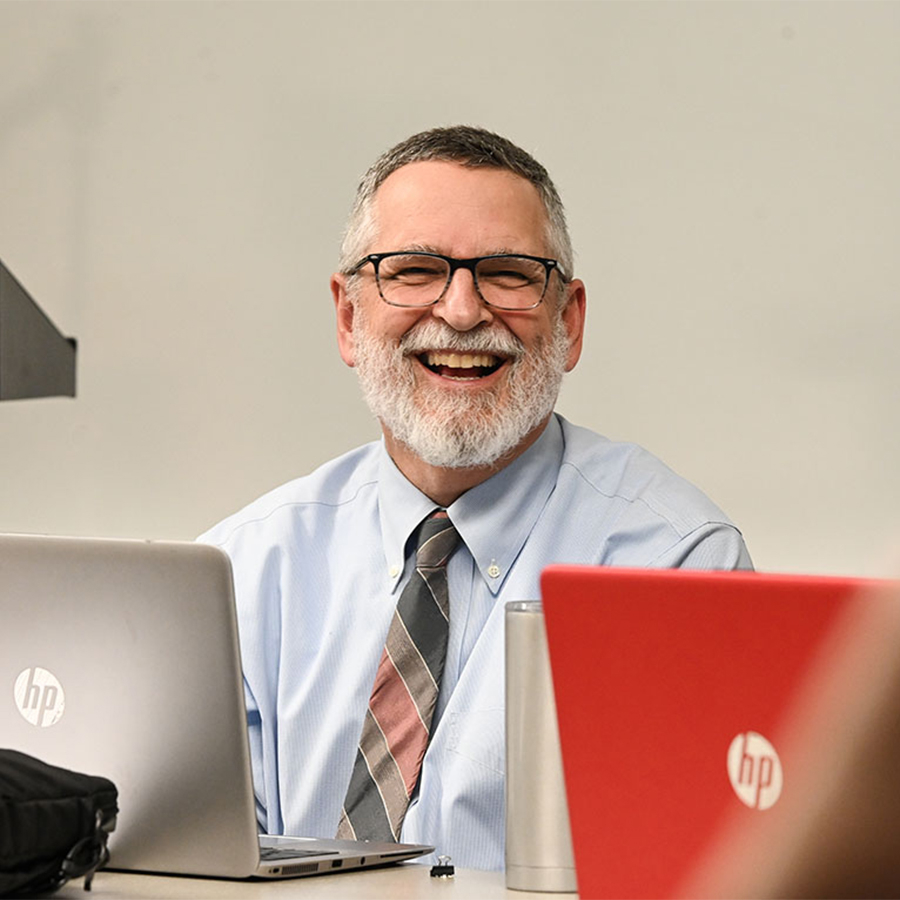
<point>538,841</point>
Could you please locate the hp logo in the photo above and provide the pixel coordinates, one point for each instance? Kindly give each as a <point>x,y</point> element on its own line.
<point>39,697</point>
<point>755,770</point>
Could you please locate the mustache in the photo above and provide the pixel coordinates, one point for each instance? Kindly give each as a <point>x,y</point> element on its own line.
<point>434,335</point>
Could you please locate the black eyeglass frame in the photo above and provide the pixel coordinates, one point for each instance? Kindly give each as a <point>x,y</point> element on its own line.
<point>550,265</point>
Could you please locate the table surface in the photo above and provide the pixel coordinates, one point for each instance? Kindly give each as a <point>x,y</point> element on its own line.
<point>403,882</point>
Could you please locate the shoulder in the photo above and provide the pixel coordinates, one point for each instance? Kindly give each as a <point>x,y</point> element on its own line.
<point>346,480</point>
<point>637,489</point>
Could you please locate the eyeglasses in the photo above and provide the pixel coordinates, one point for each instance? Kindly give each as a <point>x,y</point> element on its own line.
<point>504,281</point>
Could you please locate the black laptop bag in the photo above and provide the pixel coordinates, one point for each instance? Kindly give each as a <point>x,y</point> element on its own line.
<point>54,825</point>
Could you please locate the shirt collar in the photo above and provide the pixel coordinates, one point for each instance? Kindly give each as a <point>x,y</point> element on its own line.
<point>493,519</point>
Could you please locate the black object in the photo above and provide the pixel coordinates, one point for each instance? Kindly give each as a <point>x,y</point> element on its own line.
<point>35,359</point>
<point>443,869</point>
<point>54,825</point>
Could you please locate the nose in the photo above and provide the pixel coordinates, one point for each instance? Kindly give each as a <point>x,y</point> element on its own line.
<point>461,307</point>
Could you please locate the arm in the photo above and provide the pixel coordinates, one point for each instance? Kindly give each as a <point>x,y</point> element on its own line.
<point>714,545</point>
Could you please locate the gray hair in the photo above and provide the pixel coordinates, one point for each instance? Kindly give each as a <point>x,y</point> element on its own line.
<point>470,147</point>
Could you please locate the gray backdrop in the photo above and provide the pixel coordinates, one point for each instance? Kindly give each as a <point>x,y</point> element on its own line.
<point>174,178</point>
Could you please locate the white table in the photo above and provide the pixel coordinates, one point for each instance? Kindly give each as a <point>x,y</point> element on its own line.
<point>404,882</point>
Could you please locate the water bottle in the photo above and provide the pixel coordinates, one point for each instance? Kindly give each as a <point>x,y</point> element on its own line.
<point>538,841</point>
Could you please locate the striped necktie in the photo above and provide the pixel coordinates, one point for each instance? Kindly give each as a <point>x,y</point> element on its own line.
<point>398,721</point>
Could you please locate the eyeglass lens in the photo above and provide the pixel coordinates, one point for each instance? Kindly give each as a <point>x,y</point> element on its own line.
<point>508,282</point>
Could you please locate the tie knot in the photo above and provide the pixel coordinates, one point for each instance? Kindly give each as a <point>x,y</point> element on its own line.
<point>436,541</point>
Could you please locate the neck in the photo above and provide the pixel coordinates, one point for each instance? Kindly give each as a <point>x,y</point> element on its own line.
<point>444,485</point>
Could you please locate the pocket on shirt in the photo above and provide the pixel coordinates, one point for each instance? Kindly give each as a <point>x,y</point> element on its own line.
<point>479,736</point>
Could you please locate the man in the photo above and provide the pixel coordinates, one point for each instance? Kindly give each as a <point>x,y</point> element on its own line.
<point>456,304</point>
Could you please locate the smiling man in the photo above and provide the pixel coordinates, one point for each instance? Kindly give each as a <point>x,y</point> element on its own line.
<point>371,593</point>
<point>459,355</point>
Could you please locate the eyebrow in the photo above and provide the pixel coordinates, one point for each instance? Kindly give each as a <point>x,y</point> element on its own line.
<point>428,248</point>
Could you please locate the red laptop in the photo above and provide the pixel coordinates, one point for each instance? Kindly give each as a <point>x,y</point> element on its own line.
<point>720,731</point>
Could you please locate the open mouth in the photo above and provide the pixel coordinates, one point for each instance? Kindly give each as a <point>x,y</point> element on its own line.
<point>468,366</point>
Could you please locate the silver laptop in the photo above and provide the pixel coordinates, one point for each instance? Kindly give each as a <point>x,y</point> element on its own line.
<point>120,658</point>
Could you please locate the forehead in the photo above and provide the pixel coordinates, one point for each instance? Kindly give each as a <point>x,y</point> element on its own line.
<point>447,208</point>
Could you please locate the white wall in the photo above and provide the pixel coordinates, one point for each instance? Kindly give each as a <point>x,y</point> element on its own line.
<point>174,179</point>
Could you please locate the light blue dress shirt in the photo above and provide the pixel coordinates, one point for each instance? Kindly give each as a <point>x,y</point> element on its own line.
<point>320,562</point>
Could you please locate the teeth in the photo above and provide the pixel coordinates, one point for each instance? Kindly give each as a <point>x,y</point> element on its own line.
<point>461,360</point>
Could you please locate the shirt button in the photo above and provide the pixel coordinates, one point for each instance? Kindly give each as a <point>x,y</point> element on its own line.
<point>394,570</point>
<point>494,570</point>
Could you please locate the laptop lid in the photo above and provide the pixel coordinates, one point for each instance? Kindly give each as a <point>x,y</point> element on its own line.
<point>706,718</point>
<point>121,658</point>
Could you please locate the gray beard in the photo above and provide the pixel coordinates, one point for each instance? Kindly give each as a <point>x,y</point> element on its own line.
<point>456,429</point>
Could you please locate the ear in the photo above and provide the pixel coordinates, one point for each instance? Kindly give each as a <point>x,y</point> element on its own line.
<point>573,317</point>
<point>345,313</point>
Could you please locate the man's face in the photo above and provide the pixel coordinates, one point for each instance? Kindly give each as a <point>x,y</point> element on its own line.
<point>459,383</point>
